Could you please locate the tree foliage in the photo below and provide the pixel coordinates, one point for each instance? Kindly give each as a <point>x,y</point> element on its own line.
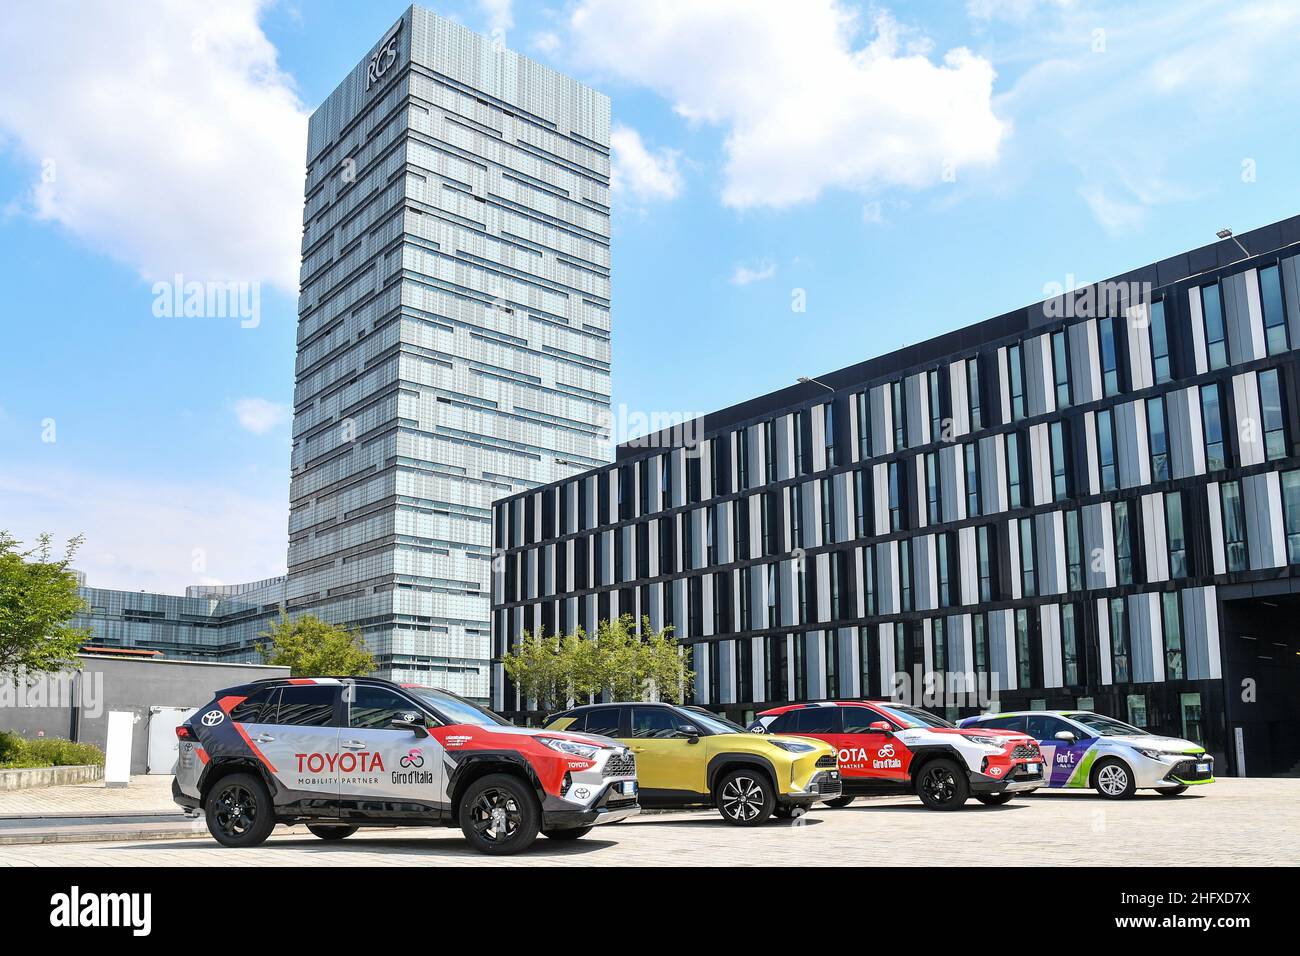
<point>310,647</point>
<point>38,599</point>
<point>620,661</point>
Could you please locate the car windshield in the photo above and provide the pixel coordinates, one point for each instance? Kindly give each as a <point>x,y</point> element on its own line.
<point>1106,726</point>
<point>712,722</point>
<point>911,717</point>
<point>458,710</point>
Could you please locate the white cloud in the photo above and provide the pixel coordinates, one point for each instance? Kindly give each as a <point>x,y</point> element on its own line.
<point>160,132</point>
<point>744,275</point>
<point>806,105</point>
<point>500,16</point>
<point>146,534</point>
<point>1115,215</point>
<point>259,416</point>
<point>639,172</point>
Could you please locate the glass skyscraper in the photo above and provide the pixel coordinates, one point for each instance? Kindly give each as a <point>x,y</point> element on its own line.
<point>453,333</point>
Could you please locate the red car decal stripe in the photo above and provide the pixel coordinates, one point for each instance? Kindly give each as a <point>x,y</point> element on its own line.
<point>228,704</point>
<point>253,747</point>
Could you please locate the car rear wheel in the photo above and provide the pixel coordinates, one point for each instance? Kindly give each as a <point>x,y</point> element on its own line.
<point>499,815</point>
<point>1172,791</point>
<point>993,799</point>
<point>942,785</point>
<point>574,833</point>
<point>745,798</point>
<point>239,811</point>
<point>331,832</point>
<point>1113,780</point>
<point>839,802</point>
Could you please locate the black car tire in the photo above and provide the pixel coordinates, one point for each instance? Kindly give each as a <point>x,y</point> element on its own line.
<point>1172,791</point>
<point>1113,779</point>
<point>239,811</point>
<point>789,813</point>
<point>744,797</point>
<point>573,833</point>
<point>993,799</point>
<point>520,816</point>
<point>330,832</point>
<point>943,785</point>
<point>839,802</point>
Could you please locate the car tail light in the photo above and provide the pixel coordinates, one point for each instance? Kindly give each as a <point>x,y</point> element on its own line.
<point>184,733</point>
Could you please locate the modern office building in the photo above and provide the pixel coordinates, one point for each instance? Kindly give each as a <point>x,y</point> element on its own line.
<point>453,333</point>
<point>1090,502</point>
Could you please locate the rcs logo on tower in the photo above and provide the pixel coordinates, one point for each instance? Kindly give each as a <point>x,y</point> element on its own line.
<point>383,58</point>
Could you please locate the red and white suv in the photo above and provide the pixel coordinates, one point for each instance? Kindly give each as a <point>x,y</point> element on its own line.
<point>887,748</point>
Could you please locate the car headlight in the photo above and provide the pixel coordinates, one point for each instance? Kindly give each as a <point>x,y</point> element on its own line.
<point>791,747</point>
<point>571,747</point>
<point>1155,754</point>
<point>999,742</point>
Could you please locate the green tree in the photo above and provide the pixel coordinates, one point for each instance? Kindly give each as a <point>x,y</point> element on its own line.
<point>535,668</point>
<point>38,597</point>
<point>310,647</point>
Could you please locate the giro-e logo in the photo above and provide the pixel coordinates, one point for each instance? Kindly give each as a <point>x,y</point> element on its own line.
<point>76,909</point>
<point>412,760</point>
<point>384,57</point>
<point>212,718</point>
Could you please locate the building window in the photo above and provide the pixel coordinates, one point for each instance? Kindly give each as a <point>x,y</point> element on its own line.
<point>1161,363</point>
<point>773,597</point>
<point>799,668</point>
<point>900,416</point>
<point>801,586</point>
<point>1069,645</point>
<point>1175,537</point>
<point>1061,368</point>
<point>1158,439</point>
<point>767,515</point>
<point>866,638</point>
<point>977,640</point>
<point>1291,505</point>
<point>1060,474</point>
<point>936,409</point>
<point>718,464</point>
<point>666,481</point>
<point>1106,450</point>
<point>895,497</point>
<point>1216,344</point>
<point>869,581</point>
<point>796,515</point>
<point>711,535</point>
<point>900,649</point>
<point>1216,458</point>
<point>742,459</point>
<point>932,487</point>
<point>778,674</point>
<point>1118,641</point>
<point>1024,663</point>
<point>1109,356</point>
<point>971,454</point>
<point>837,584</point>
<point>941,546</point>
<point>828,428</point>
<point>1234,526</point>
<point>973,393</point>
<point>940,646</point>
<point>1123,543</point>
<point>864,425</point>
<point>1172,615</point>
<point>832,661</point>
<point>740,529</point>
<point>746,608</point>
<point>1029,581</point>
<point>985,562</point>
<point>1270,294</point>
<point>905,574</point>
<point>744,670</point>
<point>1270,405</point>
<point>693,489</point>
<point>828,512</point>
<point>861,502</point>
<point>769,451</point>
<point>1016,382</point>
<point>1015,470</point>
<point>625,492</point>
<point>1073,552</point>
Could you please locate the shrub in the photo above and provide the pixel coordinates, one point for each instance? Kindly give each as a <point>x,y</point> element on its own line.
<point>20,753</point>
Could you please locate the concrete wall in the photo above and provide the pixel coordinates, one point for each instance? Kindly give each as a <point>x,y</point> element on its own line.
<point>78,709</point>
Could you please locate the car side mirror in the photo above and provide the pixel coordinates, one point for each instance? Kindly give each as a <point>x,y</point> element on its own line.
<point>1066,735</point>
<point>414,726</point>
<point>880,727</point>
<point>690,732</point>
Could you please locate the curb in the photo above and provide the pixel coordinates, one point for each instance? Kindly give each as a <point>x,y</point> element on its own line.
<point>97,836</point>
<point>32,778</point>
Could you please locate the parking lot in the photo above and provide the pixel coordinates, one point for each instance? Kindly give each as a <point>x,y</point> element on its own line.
<point>1229,823</point>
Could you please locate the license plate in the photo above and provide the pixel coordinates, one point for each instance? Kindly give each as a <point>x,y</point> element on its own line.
<point>627,788</point>
<point>1032,768</point>
<point>1202,768</point>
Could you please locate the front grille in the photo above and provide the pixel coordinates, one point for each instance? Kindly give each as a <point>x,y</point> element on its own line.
<point>828,762</point>
<point>620,765</point>
<point>1186,769</point>
<point>829,786</point>
<point>1025,751</point>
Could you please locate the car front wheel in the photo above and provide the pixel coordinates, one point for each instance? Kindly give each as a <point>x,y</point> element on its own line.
<point>1113,780</point>
<point>745,798</point>
<point>499,815</point>
<point>239,811</point>
<point>942,785</point>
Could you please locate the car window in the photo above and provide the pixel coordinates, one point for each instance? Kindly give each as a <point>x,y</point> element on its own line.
<point>307,705</point>
<point>657,722</point>
<point>1002,723</point>
<point>257,708</point>
<point>781,723</point>
<point>813,720</point>
<point>858,720</point>
<point>1046,727</point>
<point>1107,726</point>
<point>375,708</point>
<point>603,721</point>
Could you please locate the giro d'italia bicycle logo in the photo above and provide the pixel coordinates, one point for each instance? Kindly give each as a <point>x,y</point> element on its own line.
<point>886,751</point>
<point>212,718</point>
<point>413,760</point>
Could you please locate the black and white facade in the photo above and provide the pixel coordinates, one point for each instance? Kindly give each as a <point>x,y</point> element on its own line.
<point>1091,502</point>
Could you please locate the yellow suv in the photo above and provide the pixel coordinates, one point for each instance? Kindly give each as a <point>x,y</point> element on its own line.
<point>687,757</point>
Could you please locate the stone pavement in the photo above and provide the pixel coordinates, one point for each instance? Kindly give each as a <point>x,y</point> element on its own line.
<point>150,795</point>
<point>1232,822</point>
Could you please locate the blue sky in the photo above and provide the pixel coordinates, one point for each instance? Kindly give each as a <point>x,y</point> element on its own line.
<point>907,169</point>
